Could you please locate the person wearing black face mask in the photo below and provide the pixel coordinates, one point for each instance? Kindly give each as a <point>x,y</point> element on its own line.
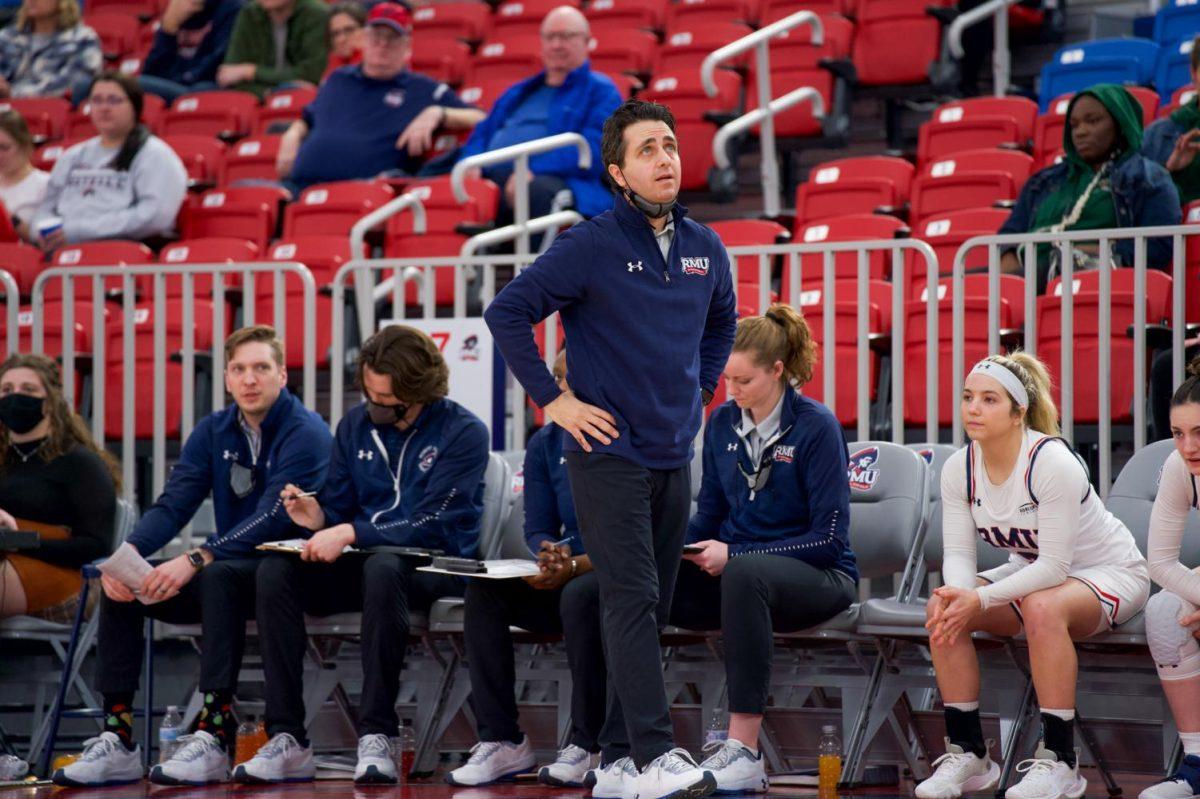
<point>50,472</point>
<point>406,470</point>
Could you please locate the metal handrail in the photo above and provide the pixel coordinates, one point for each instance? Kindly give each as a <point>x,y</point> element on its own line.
<point>519,154</point>
<point>358,234</point>
<point>752,118</point>
<point>540,224</point>
<point>751,40</point>
<point>1001,57</point>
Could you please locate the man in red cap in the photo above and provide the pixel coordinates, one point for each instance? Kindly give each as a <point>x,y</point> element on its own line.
<point>372,117</point>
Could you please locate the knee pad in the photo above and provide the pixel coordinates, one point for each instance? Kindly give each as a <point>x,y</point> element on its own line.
<point>1175,651</point>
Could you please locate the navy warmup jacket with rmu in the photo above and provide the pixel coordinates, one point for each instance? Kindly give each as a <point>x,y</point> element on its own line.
<point>645,334</point>
<point>294,449</point>
<point>801,510</point>
<point>421,487</point>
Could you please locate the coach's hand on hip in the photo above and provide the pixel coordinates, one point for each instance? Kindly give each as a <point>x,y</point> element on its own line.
<point>578,418</point>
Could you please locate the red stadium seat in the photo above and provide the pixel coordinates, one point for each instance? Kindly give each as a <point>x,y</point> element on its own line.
<point>202,251</point>
<point>24,263</point>
<point>884,23</point>
<point>692,13</point>
<point>251,159</point>
<point>281,108</point>
<point>52,330</point>
<point>442,211</point>
<point>525,14</point>
<point>467,21</point>
<point>684,94</point>
<point>215,113</point>
<point>442,57</point>
<point>685,49</point>
<point>243,212</point>
<point>627,51</point>
<point>323,255</point>
<point>483,91</point>
<point>431,245</point>
<point>968,125</point>
<point>142,9</point>
<point>946,233</point>
<point>775,10</point>
<point>333,208</point>
<point>748,233</point>
<point>46,117</point>
<point>509,59</point>
<point>853,227</point>
<point>120,34</point>
<point>1191,216</point>
<point>853,186</point>
<point>96,253</point>
<point>202,156</point>
<point>971,179</point>
<point>628,14</point>
<point>627,85</point>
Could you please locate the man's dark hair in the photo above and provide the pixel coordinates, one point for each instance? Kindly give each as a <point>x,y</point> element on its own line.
<point>612,141</point>
<point>411,359</point>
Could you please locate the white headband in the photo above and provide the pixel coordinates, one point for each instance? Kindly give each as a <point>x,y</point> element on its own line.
<point>1005,377</point>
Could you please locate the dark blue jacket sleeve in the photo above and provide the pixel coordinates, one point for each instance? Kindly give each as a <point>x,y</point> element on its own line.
<point>554,280</point>
<point>713,506</point>
<point>1158,204</point>
<point>1021,216</point>
<point>822,476</point>
<point>447,517</point>
<point>602,99</point>
<point>302,459</point>
<point>339,497</point>
<point>189,484</point>
<point>204,68</point>
<point>542,522</point>
<point>720,326</point>
<point>482,133</point>
<point>162,54</point>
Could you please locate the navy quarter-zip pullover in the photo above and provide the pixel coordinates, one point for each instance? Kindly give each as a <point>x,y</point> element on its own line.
<point>418,487</point>
<point>549,507</point>
<point>803,509</point>
<point>294,449</point>
<point>646,333</point>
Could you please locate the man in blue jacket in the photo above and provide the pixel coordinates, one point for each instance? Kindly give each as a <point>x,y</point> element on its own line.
<point>406,471</point>
<point>648,307</point>
<point>188,47</point>
<point>243,455</point>
<point>565,97</point>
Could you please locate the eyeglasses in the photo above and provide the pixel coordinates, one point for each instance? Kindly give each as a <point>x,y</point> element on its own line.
<point>384,37</point>
<point>555,37</point>
<point>348,30</point>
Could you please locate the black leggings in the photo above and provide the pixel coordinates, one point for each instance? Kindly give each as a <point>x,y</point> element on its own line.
<point>756,596</point>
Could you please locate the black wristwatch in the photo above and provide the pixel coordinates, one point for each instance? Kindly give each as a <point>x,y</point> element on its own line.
<point>196,559</point>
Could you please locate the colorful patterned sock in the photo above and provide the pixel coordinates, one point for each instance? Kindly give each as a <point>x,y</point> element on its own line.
<point>118,718</point>
<point>216,717</point>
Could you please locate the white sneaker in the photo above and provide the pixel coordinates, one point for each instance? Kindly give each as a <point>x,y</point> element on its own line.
<point>674,775</point>
<point>617,780</point>
<point>376,766</point>
<point>1047,778</point>
<point>199,761</point>
<point>105,761</point>
<point>494,760</point>
<point>958,772</point>
<point>570,768</point>
<point>735,767</point>
<point>1178,785</point>
<point>281,759</point>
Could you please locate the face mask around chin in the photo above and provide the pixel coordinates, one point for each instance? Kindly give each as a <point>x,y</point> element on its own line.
<point>383,415</point>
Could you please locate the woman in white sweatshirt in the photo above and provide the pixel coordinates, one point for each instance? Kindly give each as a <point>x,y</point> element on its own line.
<point>122,184</point>
<point>1172,618</point>
<point>1074,570</point>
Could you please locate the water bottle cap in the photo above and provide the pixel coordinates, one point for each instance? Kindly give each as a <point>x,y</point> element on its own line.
<point>172,708</point>
<point>829,729</point>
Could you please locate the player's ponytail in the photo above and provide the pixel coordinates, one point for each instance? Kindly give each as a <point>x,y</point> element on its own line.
<point>781,334</point>
<point>1041,414</point>
<point>1189,389</point>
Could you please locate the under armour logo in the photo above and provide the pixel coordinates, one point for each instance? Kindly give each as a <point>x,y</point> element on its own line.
<point>731,447</point>
<point>634,267</point>
<point>229,456</point>
<point>562,460</point>
<point>366,455</point>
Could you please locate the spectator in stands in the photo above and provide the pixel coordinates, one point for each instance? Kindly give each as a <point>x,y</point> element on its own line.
<point>374,117</point>
<point>189,46</point>
<point>406,471</point>
<point>124,183</point>
<point>243,455</point>
<point>564,598</point>
<point>22,187</point>
<point>275,43</point>
<point>1174,141</point>
<point>51,473</point>
<point>47,51</point>
<point>1103,182</point>
<point>345,36</point>
<point>772,525</point>
<point>565,97</point>
<point>1074,571</point>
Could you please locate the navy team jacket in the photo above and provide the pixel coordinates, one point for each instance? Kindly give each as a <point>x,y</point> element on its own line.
<point>803,509</point>
<point>646,334</point>
<point>294,449</point>
<point>421,487</point>
<point>549,508</point>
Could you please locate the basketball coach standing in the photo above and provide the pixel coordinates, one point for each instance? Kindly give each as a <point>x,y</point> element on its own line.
<point>647,304</point>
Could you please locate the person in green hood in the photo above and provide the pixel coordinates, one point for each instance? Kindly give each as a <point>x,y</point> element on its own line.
<point>1174,140</point>
<point>1102,182</point>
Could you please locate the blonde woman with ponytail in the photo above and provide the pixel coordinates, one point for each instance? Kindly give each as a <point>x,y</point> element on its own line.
<point>770,551</point>
<point>1073,571</point>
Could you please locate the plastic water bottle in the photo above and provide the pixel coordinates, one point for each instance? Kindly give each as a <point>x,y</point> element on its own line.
<point>169,733</point>
<point>829,763</point>
<point>404,750</point>
<point>718,730</point>
<point>247,741</point>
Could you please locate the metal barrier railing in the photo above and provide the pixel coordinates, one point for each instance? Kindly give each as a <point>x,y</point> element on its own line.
<point>1065,244</point>
<point>100,276</point>
<point>12,302</point>
<point>1001,56</point>
<point>409,201</point>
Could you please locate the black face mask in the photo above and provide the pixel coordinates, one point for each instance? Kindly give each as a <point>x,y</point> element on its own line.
<point>384,415</point>
<point>21,413</point>
<point>652,210</point>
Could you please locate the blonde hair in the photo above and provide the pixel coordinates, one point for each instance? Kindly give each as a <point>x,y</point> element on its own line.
<point>68,15</point>
<point>1041,415</point>
<point>781,334</point>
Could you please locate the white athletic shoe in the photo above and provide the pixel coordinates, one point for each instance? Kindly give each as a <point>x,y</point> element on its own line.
<point>617,780</point>
<point>376,766</point>
<point>1047,778</point>
<point>674,775</point>
<point>570,768</point>
<point>958,772</point>
<point>1179,784</point>
<point>735,767</point>
<point>199,761</point>
<point>105,761</point>
<point>281,759</point>
<point>491,761</point>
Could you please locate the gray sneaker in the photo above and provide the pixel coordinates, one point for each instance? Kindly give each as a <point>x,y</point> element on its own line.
<point>105,761</point>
